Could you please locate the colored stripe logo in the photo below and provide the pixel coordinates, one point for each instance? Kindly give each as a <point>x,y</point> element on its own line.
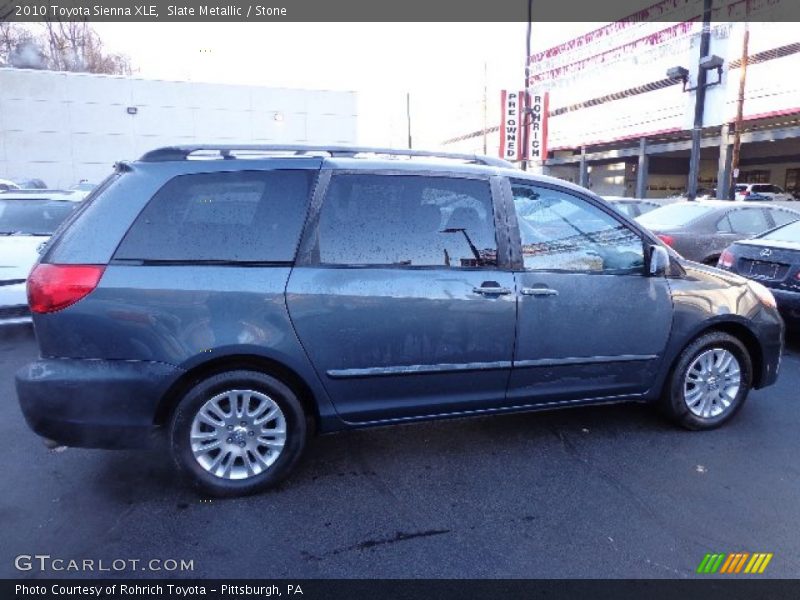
<point>735,562</point>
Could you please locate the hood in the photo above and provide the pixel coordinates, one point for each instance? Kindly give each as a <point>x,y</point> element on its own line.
<point>18,255</point>
<point>695,270</point>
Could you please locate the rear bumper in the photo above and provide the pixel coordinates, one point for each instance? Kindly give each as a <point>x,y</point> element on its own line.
<point>14,304</point>
<point>93,403</point>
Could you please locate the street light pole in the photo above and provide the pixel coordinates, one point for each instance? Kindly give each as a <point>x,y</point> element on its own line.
<point>408,117</point>
<point>485,108</point>
<point>699,104</point>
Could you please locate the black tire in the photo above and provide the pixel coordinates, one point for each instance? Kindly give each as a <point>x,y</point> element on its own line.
<point>673,402</point>
<point>218,486</point>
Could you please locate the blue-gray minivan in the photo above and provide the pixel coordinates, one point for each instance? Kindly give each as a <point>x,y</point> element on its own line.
<point>240,299</point>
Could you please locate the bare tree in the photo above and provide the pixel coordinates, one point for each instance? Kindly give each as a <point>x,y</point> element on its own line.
<point>59,46</point>
<point>13,37</point>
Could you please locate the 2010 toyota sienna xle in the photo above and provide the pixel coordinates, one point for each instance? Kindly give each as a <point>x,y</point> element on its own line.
<point>240,302</point>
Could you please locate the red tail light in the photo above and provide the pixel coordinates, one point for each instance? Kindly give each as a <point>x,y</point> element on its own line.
<point>746,193</point>
<point>726,260</point>
<point>53,287</point>
<point>667,239</point>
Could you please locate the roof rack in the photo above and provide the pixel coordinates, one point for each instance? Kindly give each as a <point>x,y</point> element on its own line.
<point>39,191</point>
<point>225,151</point>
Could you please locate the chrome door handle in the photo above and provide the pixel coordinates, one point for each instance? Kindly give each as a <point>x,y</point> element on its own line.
<point>491,290</point>
<point>539,291</point>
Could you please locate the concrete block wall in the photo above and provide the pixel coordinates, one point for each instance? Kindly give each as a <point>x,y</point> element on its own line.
<point>64,127</point>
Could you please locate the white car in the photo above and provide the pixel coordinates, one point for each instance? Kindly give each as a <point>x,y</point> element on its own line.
<point>7,185</point>
<point>769,191</point>
<point>27,220</point>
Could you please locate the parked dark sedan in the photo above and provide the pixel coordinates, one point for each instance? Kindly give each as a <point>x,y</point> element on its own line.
<point>701,230</point>
<point>774,260</point>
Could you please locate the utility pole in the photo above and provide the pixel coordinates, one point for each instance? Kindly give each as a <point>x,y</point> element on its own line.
<point>408,117</point>
<point>699,104</point>
<point>527,101</point>
<point>737,130</point>
<point>485,109</point>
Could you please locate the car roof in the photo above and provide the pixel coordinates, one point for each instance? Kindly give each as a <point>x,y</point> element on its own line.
<point>67,195</point>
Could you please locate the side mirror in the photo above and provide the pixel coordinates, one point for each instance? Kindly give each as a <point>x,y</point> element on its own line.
<point>659,261</point>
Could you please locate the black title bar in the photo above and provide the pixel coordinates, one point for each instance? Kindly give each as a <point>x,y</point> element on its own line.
<point>732,588</point>
<point>395,10</point>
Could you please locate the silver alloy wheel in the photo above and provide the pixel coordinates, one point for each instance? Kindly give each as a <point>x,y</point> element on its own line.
<point>238,434</point>
<point>712,382</point>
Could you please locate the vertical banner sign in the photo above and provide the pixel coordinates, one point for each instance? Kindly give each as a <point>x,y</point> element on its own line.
<point>537,126</point>
<point>513,124</point>
<point>510,127</point>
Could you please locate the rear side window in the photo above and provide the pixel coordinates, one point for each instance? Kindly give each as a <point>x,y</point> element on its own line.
<point>782,217</point>
<point>247,216</point>
<point>407,220</point>
<point>748,221</point>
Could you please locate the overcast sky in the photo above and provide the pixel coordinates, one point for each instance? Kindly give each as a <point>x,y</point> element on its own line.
<point>440,64</point>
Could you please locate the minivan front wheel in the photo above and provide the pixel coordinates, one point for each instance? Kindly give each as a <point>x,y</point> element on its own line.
<point>710,382</point>
<point>238,433</point>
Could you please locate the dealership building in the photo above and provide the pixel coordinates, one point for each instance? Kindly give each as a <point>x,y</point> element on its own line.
<point>66,127</point>
<point>618,123</point>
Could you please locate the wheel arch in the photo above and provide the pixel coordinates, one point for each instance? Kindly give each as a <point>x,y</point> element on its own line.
<point>232,362</point>
<point>735,329</point>
<point>745,335</point>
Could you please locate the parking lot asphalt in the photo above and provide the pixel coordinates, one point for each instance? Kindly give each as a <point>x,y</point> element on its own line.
<point>607,491</point>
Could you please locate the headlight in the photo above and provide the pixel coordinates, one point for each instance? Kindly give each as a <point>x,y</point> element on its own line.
<point>763,294</point>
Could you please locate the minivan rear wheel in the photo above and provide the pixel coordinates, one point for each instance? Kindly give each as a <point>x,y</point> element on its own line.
<point>238,433</point>
<point>710,382</point>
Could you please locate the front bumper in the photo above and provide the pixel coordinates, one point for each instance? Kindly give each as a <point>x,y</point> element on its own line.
<point>788,304</point>
<point>770,332</point>
<point>93,403</point>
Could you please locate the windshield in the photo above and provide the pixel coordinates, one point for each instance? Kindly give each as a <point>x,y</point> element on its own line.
<point>787,233</point>
<point>33,217</point>
<point>673,216</point>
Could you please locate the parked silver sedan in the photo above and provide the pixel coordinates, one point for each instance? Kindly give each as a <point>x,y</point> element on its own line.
<point>701,230</point>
